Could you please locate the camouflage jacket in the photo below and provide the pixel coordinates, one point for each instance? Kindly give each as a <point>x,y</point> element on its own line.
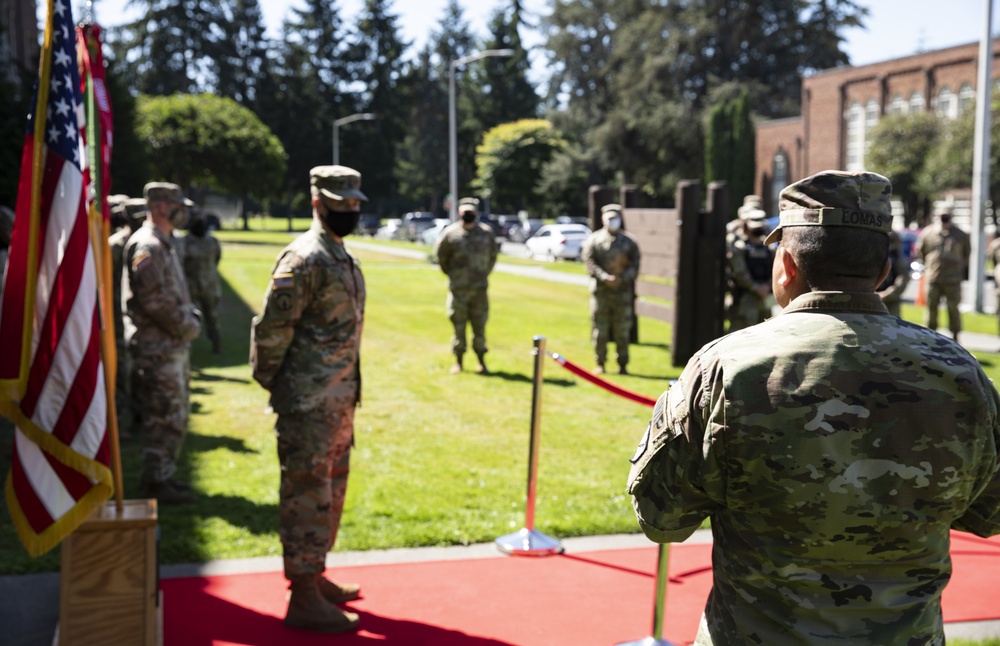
<point>993,254</point>
<point>748,265</point>
<point>945,253</point>
<point>467,256</point>
<point>116,245</point>
<point>607,255</point>
<point>201,259</point>
<point>833,447</point>
<point>159,316</point>
<point>305,345</point>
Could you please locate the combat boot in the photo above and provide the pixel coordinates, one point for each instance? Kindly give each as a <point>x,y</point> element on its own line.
<point>599,370</point>
<point>338,592</point>
<point>481,368</point>
<point>457,368</point>
<point>622,370</point>
<point>309,610</point>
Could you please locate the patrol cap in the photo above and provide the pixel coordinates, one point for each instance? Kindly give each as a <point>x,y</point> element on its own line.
<point>135,208</point>
<point>165,192</point>
<point>468,204</point>
<point>753,214</point>
<point>836,198</point>
<point>750,203</point>
<point>336,183</point>
<point>611,210</point>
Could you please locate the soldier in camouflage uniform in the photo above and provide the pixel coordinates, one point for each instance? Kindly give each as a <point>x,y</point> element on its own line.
<point>891,289</point>
<point>466,251</point>
<point>833,446</point>
<point>945,250</point>
<point>202,253</point>
<point>612,259</point>
<point>160,322</point>
<point>131,220</point>
<point>748,270</point>
<point>993,253</point>
<point>305,350</point>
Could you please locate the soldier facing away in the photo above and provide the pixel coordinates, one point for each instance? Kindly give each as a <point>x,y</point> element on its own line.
<point>748,269</point>
<point>305,351</point>
<point>160,323</point>
<point>834,446</point>
<point>467,251</point>
<point>202,253</point>
<point>945,251</point>
<point>612,259</point>
<point>892,288</point>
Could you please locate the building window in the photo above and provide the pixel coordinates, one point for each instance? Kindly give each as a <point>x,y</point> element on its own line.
<point>897,105</point>
<point>966,98</point>
<point>855,137</point>
<point>946,104</point>
<point>781,177</point>
<point>916,103</point>
<point>872,113</point>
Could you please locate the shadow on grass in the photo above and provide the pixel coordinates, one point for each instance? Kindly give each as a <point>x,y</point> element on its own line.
<point>181,525</point>
<point>234,323</point>
<point>205,443</point>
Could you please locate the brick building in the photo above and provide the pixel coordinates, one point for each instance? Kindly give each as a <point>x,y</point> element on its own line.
<point>841,105</point>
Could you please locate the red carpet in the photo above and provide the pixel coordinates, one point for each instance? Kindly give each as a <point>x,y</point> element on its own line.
<point>599,598</point>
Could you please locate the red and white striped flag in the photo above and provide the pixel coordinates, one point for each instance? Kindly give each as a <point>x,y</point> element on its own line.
<point>51,371</point>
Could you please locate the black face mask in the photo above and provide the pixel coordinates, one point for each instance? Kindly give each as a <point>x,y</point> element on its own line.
<point>945,219</point>
<point>341,223</point>
<point>468,217</point>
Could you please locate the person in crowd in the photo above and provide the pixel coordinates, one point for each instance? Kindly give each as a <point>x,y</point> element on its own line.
<point>612,259</point>
<point>159,324</point>
<point>305,351</point>
<point>130,221</point>
<point>944,250</point>
<point>892,288</point>
<point>748,271</point>
<point>833,447</point>
<point>993,254</point>
<point>202,253</point>
<point>466,251</point>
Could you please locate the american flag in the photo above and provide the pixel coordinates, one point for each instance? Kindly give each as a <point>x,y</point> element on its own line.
<point>51,371</point>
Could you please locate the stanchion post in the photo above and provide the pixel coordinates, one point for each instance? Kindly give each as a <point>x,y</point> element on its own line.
<point>659,607</point>
<point>529,542</point>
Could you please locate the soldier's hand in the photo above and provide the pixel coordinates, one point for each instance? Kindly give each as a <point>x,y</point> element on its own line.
<point>611,281</point>
<point>197,313</point>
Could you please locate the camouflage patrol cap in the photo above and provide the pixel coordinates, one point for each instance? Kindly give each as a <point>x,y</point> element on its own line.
<point>467,204</point>
<point>135,208</point>
<point>165,192</point>
<point>753,214</point>
<point>611,210</point>
<point>750,203</point>
<point>836,198</point>
<point>336,183</point>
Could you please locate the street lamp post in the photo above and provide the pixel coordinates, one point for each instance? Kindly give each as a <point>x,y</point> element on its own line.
<point>362,116</point>
<point>452,136</point>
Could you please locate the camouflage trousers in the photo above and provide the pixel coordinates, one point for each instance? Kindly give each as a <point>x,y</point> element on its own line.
<point>952,294</point>
<point>747,309</point>
<point>314,449</point>
<point>161,400</point>
<point>123,390</point>
<point>611,319</point>
<point>470,306</point>
<point>209,306</point>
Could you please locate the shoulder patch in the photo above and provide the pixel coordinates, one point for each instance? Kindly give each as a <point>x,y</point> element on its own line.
<point>283,281</point>
<point>141,260</point>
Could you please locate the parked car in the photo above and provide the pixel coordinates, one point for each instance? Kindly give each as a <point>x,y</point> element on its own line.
<point>391,230</point>
<point>369,224</point>
<point>506,223</point>
<point>415,223</point>
<point>430,236</point>
<point>555,241</point>
<point>567,219</point>
<point>523,230</point>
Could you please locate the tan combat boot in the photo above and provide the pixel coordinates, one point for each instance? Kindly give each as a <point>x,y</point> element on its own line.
<point>309,610</point>
<point>338,592</point>
<point>457,368</point>
<point>481,368</point>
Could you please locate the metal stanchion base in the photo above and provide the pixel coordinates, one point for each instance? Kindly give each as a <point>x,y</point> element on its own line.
<point>648,641</point>
<point>528,543</point>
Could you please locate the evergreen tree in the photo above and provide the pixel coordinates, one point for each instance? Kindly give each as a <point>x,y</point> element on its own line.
<point>243,60</point>
<point>422,162</point>
<point>506,93</point>
<point>729,146</point>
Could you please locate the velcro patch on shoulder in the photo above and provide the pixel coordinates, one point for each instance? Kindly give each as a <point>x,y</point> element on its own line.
<point>141,260</point>
<point>284,280</point>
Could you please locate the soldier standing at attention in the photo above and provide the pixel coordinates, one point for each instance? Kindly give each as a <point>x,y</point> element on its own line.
<point>833,446</point>
<point>305,351</point>
<point>466,251</point>
<point>612,259</point>
<point>748,266</point>
<point>891,289</point>
<point>945,251</point>
<point>160,323</point>
<point>132,220</point>
<point>202,253</point>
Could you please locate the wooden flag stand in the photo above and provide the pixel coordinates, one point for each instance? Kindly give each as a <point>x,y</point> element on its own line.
<point>108,589</point>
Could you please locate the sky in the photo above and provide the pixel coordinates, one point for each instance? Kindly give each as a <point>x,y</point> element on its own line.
<point>894,27</point>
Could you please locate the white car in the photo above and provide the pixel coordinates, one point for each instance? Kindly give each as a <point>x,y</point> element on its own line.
<point>391,230</point>
<point>554,241</point>
<point>430,236</point>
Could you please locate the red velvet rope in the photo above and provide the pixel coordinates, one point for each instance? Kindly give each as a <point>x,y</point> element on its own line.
<point>606,385</point>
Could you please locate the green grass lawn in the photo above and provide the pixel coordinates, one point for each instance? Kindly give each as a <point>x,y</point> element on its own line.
<point>439,459</point>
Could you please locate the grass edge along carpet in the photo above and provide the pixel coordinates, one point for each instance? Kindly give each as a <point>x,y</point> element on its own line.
<point>597,597</point>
